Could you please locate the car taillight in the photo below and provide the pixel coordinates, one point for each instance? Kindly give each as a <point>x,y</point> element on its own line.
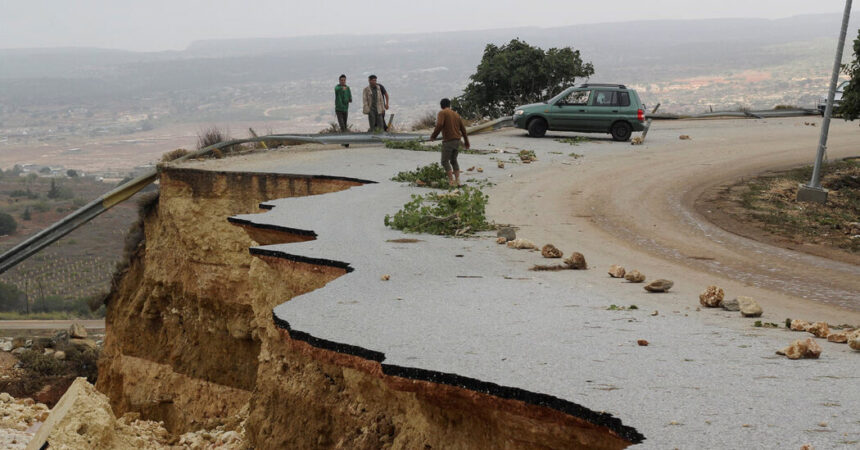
<point>640,115</point>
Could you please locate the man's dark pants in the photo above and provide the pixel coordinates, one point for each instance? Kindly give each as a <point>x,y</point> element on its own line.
<point>341,119</point>
<point>376,121</point>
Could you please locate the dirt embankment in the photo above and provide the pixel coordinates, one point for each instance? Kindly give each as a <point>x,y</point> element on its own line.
<point>191,341</point>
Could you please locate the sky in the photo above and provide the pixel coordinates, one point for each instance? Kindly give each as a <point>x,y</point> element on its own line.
<point>155,25</point>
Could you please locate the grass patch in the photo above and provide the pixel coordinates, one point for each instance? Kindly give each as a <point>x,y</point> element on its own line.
<point>527,155</point>
<point>576,140</point>
<point>431,176</point>
<point>575,155</point>
<point>454,213</point>
<point>50,315</point>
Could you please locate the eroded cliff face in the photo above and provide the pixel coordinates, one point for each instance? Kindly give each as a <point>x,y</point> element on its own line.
<point>191,340</point>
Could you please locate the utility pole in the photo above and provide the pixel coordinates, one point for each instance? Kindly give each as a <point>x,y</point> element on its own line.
<point>813,192</point>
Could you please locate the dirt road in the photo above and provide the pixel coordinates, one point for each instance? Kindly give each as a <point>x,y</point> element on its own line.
<point>634,205</point>
<point>49,324</point>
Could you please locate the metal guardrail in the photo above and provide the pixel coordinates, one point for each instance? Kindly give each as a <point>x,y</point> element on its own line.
<point>90,211</point>
<point>762,114</point>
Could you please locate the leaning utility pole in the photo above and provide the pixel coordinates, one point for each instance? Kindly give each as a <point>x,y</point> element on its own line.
<point>813,192</point>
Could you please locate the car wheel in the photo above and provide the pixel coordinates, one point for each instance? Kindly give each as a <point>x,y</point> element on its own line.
<point>621,131</point>
<point>537,128</point>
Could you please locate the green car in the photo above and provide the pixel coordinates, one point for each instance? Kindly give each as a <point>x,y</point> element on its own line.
<point>589,108</point>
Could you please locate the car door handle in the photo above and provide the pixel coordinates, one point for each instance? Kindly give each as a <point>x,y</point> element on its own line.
<point>614,110</point>
<point>581,110</point>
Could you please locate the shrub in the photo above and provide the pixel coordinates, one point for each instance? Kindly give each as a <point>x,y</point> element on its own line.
<point>8,225</point>
<point>426,121</point>
<point>174,154</point>
<point>210,136</point>
<point>12,298</point>
<point>453,213</point>
<point>431,175</point>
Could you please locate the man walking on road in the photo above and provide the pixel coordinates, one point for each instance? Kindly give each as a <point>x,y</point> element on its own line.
<point>342,99</point>
<point>452,128</point>
<point>374,104</point>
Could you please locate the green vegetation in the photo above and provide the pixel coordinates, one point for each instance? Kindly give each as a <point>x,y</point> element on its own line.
<point>575,140</point>
<point>621,308</point>
<point>414,144</point>
<point>771,201</point>
<point>8,225</point>
<point>516,74</point>
<point>431,175</point>
<point>575,155</point>
<point>760,324</point>
<point>421,146</point>
<point>850,106</point>
<point>453,213</point>
<point>527,155</point>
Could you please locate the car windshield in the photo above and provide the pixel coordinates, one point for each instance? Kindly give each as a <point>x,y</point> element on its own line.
<point>842,86</point>
<point>559,96</point>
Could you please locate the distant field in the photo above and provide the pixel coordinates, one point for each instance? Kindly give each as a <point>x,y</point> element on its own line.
<point>77,266</point>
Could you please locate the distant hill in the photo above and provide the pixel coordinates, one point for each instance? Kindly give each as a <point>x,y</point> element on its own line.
<point>733,62</point>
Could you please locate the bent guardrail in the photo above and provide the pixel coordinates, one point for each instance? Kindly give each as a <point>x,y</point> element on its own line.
<point>90,211</point>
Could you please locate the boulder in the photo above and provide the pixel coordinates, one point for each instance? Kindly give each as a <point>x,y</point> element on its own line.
<point>501,240</point>
<point>853,228</point>
<point>19,350</point>
<point>501,164</point>
<point>616,271</point>
<point>635,276</point>
<point>684,137</point>
<point>801,348</point>
<point>18,342</point>
<point>507,232</point>
<point>550,251</point>
<point>660,285</point>
<point>576,261</point>
<point>731,305</point>
<point>59,354</point>
<point>819,329</point>
<point>60,339</point>
<point>839,338</point>
<point>854,340</point>
<point>77,331</point>
<point>521,244</point>
<point>6,346</point>
<point>712,297</point>
<point>83,343</point>
<point>799,325</point>
<point>749,307</point>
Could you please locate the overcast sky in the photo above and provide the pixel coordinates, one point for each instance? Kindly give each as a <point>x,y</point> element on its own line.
<point>173,24</point>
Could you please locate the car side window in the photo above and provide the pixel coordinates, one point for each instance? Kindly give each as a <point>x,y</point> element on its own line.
<point>623,99</point>
<point>576,98</point>
<point>604,98</point>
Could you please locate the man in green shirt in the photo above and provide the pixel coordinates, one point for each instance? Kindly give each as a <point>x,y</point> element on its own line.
<point>342,99</point>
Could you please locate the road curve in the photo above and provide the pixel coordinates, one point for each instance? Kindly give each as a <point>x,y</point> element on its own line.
<point>634,205</point>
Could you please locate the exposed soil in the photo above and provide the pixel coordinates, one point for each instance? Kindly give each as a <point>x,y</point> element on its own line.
<point>765,208</point>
